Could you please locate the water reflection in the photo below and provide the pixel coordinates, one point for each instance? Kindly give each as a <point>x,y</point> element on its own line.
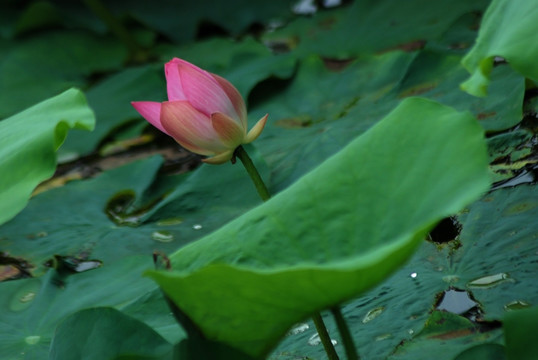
<point>456,302</point>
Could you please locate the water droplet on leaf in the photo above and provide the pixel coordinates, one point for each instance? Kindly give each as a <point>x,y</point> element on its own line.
<point>32,340</point>
<point>298,328</point>
<point>316,340</point>
<point>372,314</point>
<point>516,305</point>
<point>121,211</point>
<point>37,235</point>
<point>73,264</point>
<point>118,206</point>
<point>87,265</point>
<point>162,236</point>
<point>170,222</point>
<point>382,337</point>
<point>489,281</point>
<point>27,297</point>
<point>24,297</point>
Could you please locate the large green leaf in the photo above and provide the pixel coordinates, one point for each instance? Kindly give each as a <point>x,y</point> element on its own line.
<point>71,222</point>
<point>307,124</point>
<point>312,116</point>
<point>107,334</point>
<point>117,213</point>
<point>487,351</point>
<point>29,143</point>
<point>335,233</point>
<point>34,307</point>
<point>437,74</point>
<point>492,258</point>
<point>509,31</point>
<point>520,329</point>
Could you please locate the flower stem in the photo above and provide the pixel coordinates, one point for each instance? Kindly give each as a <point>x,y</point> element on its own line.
<point>253,173</point>
<point>324,337</point>
<point>343,329</point>
<point>264,194</point>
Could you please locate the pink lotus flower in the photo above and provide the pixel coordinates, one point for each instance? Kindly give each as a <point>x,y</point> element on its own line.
<point>204,113</point>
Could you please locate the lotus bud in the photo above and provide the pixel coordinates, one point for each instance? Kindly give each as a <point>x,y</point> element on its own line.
<point>204,113</point>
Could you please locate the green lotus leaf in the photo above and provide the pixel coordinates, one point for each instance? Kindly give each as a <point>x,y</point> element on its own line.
<point>447,333</point>
<point>335,233</point>
<point>29,142</point>
<point>491,259</point>
<point>508,31</point>
<point>107,334</point>
<point>520,328</point>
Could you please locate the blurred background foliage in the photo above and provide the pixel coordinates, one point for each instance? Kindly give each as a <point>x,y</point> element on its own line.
<point>325,71</point>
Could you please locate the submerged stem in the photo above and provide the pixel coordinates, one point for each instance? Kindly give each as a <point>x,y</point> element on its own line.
<point>264,194</point>
<point>324,337</point>
<point>345,334</point>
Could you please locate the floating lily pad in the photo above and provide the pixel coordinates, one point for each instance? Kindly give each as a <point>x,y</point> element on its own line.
<point>520,327</point>
<point>107,334</point>
<point>112,219</point>
<point>372,26</point>
<point>80,207</point>
<point>309,123</point>
<point>34,307</point>
<point>47,64</point>
<point>447,333</point>
<point>233,16</point>
<point>488,351</point>
<point>492,258</point>
<point>509,153</point>
<point>323,89</point>
<point>346,102</point>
